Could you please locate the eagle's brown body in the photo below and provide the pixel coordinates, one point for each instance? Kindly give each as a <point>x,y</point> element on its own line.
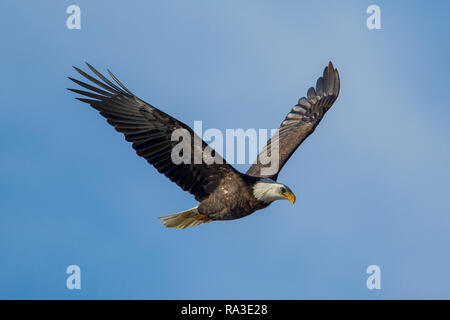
<point>232,199</point>
<point>223,193</point>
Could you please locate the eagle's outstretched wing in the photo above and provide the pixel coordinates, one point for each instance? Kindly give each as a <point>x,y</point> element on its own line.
<point>300,122</point>
<point>150,132</point>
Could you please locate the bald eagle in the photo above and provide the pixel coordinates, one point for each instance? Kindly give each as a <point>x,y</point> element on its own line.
<point>223,192</point>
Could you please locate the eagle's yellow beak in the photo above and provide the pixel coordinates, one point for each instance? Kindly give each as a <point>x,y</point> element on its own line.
<point>290,196</point>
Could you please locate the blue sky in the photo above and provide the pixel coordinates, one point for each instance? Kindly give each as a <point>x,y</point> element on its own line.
<point>372,182</point>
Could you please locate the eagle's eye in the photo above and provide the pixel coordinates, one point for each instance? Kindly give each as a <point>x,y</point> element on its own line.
<point>283,190</point>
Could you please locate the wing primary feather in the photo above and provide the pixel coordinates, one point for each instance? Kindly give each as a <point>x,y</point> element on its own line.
<point>92,88</point>
<point>87,94</point>
<point>325,81</point>
<point>88,101</point>
<point>304,103</point>
<point>99,83</point>
<point>118,82</point>
<point>331,81</point>
<point>104,79</point>
<point>299,109</point>
<point>319,88</point>
<point>338,83</point>
<point>311,93</point>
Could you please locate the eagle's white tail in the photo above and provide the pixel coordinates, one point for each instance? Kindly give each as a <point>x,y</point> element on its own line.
<point>184,219</point>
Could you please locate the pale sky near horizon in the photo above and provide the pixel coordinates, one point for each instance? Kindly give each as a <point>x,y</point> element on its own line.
<point>372,182</point>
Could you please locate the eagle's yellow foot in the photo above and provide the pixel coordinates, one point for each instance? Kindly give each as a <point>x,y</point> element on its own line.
<point>201,217</point>
<point>184,219</point>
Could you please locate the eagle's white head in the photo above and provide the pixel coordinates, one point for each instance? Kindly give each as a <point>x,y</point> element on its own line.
<point>267,190</point>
